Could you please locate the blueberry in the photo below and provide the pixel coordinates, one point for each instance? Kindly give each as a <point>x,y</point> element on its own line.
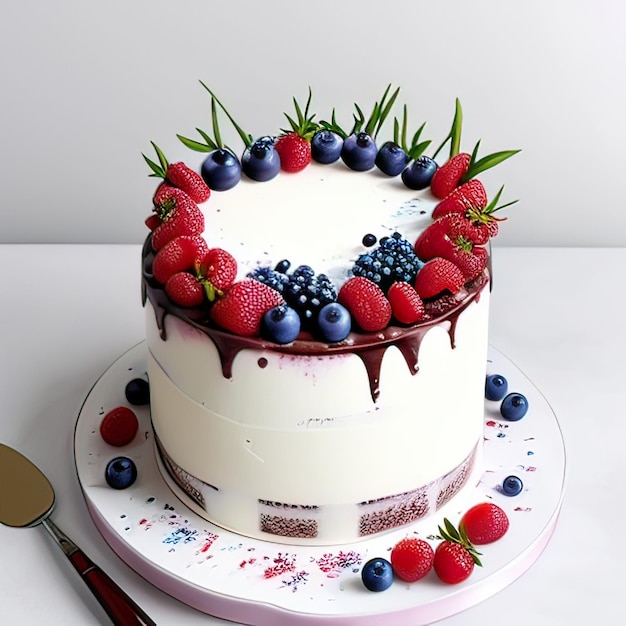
<point>121,472</point>
<point>359,152</point>
<point>496,387</point>
<point>326,146</point>
<point>282,266</point>
<point>377,574</point>
<point>391,159</point>
<point>419,173</point>
<point>137,392</point>
<point>514,407</point>
<point>334,322</point>
<point>260,161</point>
<point>221,170</point>
<point>512,486</point>
<point>281,324</point>
<point>369,240</point>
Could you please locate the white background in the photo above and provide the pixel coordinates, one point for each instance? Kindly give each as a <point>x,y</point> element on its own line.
<point>85,86</point>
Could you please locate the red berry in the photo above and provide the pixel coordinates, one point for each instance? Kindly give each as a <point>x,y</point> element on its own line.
<point>184,289</point>
<point>471,263</point>
<point>406,305</point>
<point>119,426</point>
<point>185,220</point>
<point>181,176</point>
<point>178,255</point>
<point>294,152</point>
<point>484,523</point>
<point>167,199</point>
<point>453,563</point>
<point>241,308</point>
<point>448,176</point>
<point>219,268</point>
<point>366,303</point>
<point>412,559</point>
<point>437,276</point>
<point>431,240</point>
<point>471,194</point>
<point>152,221</point>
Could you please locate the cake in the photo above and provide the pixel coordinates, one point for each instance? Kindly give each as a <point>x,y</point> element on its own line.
<point>317,330</point>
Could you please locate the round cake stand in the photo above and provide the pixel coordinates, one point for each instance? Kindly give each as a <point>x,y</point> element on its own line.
<point>274,584</point>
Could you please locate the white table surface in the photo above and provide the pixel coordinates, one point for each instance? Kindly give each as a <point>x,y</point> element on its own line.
<point>68,311</point>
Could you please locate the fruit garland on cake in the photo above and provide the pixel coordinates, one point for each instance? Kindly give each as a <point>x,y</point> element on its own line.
<point>394,282</point>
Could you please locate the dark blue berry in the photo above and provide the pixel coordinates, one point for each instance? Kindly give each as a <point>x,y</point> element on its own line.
<point>283,266</point>
<point>369,240</point>
<point>359,152</point>
<point>419,173</point>
<point>326,146</point>
<point>272,278</point>
<point>280,324</point>
<point>137,392</point>
<point>260,161</point>
<point>307,293</point>
<point>514,407</point>
<point>496,387</point>
<point>392,261</point>
<point>334,322</point>
<point>221,170</point>
<point>512,486</point>
<point>377,574</point>
<point>121,472</point>
<point>391,159</point>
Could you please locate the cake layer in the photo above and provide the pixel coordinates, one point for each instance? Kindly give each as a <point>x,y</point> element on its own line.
<point>358,423</point>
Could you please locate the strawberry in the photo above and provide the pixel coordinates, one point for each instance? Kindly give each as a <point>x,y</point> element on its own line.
<point>412,559</point>
<point>178,255</point>
<point>406,305</point>
<point>448,176</point>
<point>184,289</point>
<point>294,151</point>
<point>217,270</point>
<point>470,262</point>
<point>455,556</point>
<point>179,175</point>
<point>186,219</point>
<point>429,243</point>
<point>484,523</point>
<point>294,146</point>
<point>460,199</point>
<point>438,275</point>
<point>119,426</point>
<point>452,563</point>
<point>152,221</point>
<point>366,303</point>
<point>241,308</point>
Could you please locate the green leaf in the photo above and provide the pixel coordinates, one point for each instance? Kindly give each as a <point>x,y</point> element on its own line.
<point>455,132</point>
<point>245,137</point>
<point>488,162</point>
<point>384,111</point>
<point>194,145</point>
<point>157,171</point>
<point>209,142</point>
<point>162,159</point>
<point>416,151</point>
<point>216,127</point>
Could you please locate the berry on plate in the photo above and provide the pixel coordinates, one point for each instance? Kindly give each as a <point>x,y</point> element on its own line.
<point>512,486</point>
<point>366,302</point>
<point>120,472</point>
<point>514,407</point>
<point>377,574</point>
<point>496,387</point>
<point>484,523</point>
<point>455,556</point>
<point>412,559</point>
<point>119,426</point>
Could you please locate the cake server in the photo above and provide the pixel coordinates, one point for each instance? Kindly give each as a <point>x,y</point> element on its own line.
<point>27,499</point>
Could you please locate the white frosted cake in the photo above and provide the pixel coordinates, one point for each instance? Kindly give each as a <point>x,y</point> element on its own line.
<point>315,438</point>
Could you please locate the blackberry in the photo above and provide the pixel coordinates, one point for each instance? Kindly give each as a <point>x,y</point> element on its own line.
<point>307,293</point>
<point>392,261</point>
<point>271,278</point>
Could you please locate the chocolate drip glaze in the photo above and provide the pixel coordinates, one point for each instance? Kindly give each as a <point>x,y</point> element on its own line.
<point>369,347</point>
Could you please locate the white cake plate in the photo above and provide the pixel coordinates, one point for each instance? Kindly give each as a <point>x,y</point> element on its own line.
<point>273,584</point>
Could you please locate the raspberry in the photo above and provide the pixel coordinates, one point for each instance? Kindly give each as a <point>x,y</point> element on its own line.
<point>119,426</point>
